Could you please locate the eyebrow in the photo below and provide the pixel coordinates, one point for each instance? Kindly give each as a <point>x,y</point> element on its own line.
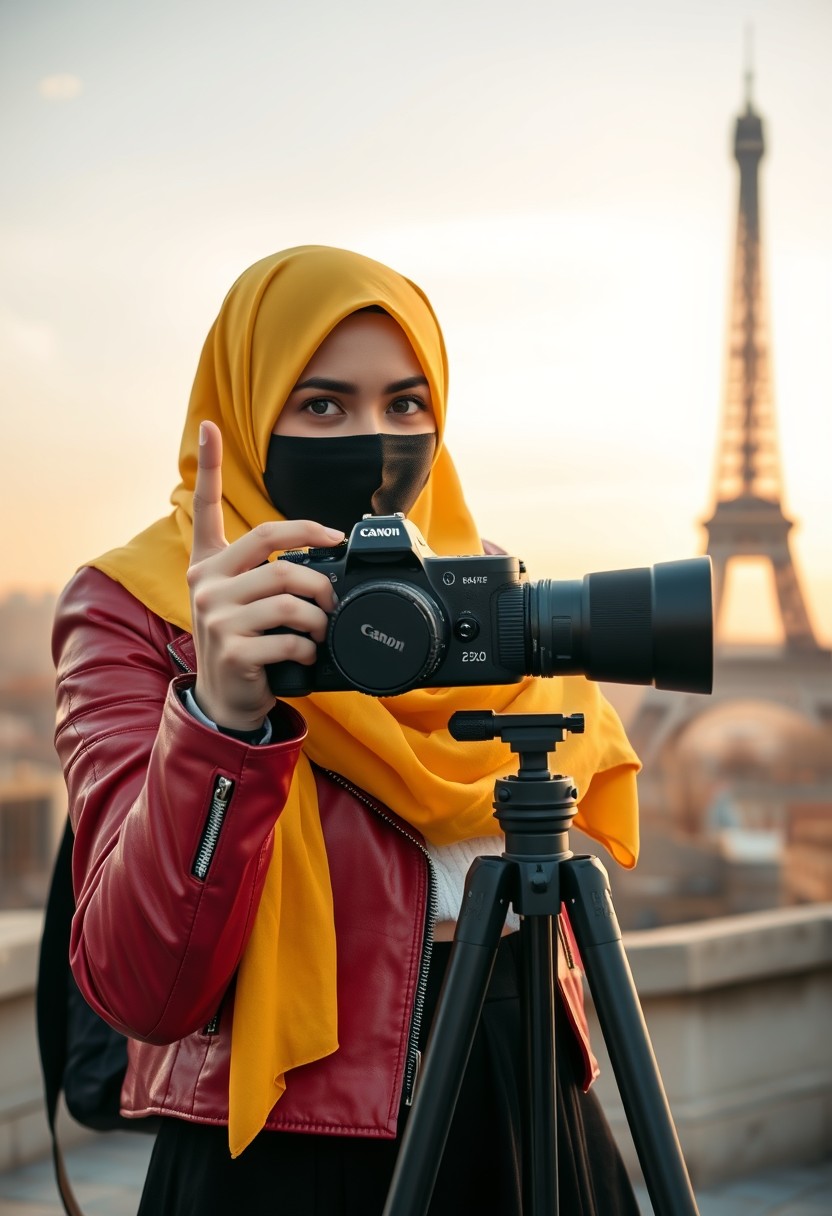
<point>344,386</point>
<point>400,386</point>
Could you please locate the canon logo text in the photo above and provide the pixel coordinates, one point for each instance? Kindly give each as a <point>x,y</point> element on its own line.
<point>378,636</point>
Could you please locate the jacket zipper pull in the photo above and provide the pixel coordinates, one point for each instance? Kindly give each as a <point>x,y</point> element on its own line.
<point>213,1026</point>
<point>417,1068</point>
<point>216,814</point>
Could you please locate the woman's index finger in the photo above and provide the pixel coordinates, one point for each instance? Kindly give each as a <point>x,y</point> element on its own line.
<point>209,527</point>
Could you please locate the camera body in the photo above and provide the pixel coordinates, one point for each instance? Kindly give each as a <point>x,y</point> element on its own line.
<point>407,618</point>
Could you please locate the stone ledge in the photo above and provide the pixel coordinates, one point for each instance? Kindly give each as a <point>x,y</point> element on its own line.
<point>730,950</point>
<point>746,1102</point>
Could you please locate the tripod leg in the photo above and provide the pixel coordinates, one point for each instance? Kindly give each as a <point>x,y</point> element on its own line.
<point>483,914</point>
<point>586,892</point>
<point>540,1158</point>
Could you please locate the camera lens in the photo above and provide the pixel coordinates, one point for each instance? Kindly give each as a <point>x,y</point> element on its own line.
<point>642,626</point>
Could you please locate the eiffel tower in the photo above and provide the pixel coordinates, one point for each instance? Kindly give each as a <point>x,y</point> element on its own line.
<point>748,519</point>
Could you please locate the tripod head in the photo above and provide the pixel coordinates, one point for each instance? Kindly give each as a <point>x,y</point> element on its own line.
<point>531,736</point>
<point>534,806</point>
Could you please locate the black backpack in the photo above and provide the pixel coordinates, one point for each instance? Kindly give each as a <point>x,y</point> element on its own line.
<point>79,1053</point>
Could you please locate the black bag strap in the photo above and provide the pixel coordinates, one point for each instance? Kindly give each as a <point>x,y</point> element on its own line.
<point>51,1002</point>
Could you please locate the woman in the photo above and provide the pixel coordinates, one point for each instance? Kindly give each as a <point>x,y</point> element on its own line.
<point>266,889</point>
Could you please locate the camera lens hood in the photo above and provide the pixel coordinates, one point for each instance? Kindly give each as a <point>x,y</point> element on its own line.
<point>651,625</point>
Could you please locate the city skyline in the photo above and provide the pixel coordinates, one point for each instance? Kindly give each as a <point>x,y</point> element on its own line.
<point>567,201</point>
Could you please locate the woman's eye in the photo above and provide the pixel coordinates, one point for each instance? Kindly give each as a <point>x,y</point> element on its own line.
<point>322,407</point>
<point>406,405</point>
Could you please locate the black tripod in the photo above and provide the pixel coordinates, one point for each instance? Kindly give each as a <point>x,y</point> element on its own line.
<point>535,874</point>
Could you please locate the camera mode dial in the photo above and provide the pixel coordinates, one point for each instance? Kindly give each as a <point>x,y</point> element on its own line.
<point>385,637</point>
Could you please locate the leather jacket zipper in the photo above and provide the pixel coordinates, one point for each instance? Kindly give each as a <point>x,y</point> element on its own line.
<point>414,1055</point>
<point>221,797</point>
<point>178,660</point>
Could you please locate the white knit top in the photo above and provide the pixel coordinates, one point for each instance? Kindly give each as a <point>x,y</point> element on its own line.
<point>451,862</point>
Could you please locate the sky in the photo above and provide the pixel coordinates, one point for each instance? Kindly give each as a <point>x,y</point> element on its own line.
<point>557,177</point>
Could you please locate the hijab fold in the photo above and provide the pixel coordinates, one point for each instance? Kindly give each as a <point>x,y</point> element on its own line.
<point>398,749</point>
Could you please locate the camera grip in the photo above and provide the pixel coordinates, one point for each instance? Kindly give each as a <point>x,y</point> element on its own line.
<point>289,678</point>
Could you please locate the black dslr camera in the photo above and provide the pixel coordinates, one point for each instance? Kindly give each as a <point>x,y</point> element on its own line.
<point>407,618</point>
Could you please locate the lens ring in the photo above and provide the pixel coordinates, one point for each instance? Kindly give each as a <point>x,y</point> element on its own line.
<point>512,628</point>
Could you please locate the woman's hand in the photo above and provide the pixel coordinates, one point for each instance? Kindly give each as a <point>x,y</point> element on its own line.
<point>235,597</point>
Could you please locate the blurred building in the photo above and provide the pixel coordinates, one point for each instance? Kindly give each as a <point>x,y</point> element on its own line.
<point>807,858</point>
<point>32,794</point>
<point>32,814</point>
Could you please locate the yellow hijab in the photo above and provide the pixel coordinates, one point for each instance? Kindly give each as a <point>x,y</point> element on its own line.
<point>398,749</point>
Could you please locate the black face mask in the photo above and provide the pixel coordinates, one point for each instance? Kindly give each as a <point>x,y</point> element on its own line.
<point>337,481</point>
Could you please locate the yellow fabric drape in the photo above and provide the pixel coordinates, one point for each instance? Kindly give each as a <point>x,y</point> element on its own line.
<point>398,749</point>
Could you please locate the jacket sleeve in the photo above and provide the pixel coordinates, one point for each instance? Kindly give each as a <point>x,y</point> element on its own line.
<point>156,937</point>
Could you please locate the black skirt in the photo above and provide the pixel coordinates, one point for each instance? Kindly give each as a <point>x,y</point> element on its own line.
<point>289,1174</point>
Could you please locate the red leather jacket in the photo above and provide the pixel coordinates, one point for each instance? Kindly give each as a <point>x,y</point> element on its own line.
<point>166,898</point>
